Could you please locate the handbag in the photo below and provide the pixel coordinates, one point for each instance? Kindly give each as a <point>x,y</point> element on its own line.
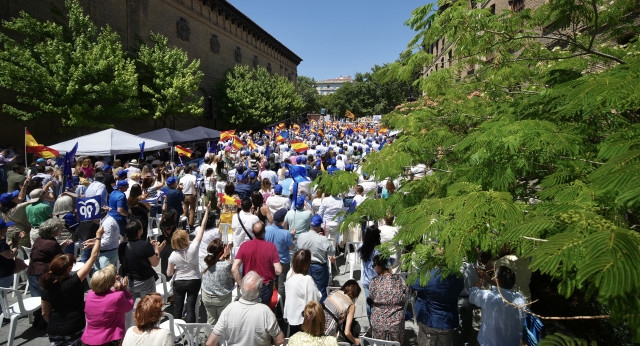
<point>355,326</point>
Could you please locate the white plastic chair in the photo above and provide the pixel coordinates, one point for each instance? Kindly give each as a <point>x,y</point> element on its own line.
<point>164,288</point>
<point>351,257</point>
<point>23,307</point>
<point>200,207</point>
<point>225,232</point>
<point>171,325</point>
<point>153,229</point>
<point>191,332</point>
<point>331,289</point>
<point>23,274</point>
<point>364,341</point>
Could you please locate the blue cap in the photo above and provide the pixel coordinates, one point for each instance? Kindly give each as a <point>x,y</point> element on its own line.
<point>252,175</point>
<point>41,160</point>
<point>247,153</point>
<point>5,224</point>
<point>300,202</point>
<point>287,174</point>
<point>277,189</point>
<point>303,159</point>
<point>7,197</point>
<point>332,162</point>
<point>316,221</point>
<point>122,173</point>
<point>280,215</point>
<point>105,167</point>
<point>240,177</point>
<point>171,181</point>
<point>122,183</point>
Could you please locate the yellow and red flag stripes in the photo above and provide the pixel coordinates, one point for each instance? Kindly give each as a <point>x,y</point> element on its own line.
<point>182,151</point>
<point>280,126</point>
<point>298,146</point>
<point>228,200</point>
<point>267,132</point>
<point>296,128</point>
<point>252,145</point>
<point>237,143</point>
<point>38,149</point>
<point>227,135</point>
<point>383,130</point>
<point>348,114</point>
<point>280,139</point>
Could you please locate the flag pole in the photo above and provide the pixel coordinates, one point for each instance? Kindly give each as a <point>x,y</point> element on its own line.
<point>25,148</point>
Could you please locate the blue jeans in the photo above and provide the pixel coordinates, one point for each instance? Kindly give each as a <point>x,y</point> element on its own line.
<point>34,285</point>
<point>366,295</point>
<point>320,275</point>
<point>86,253</point>
<point>266,292</point>
<point>6,281</point>
<point>122,224</point>
<point>105,258</point>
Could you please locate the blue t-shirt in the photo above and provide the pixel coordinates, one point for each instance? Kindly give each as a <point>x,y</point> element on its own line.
<point>174,200</point>
<point>368,272</point>
<point>282,239</point>
<point>437,303</point>
<point>117,200</point>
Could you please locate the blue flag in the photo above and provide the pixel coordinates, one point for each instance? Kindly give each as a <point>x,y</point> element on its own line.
<point>67,176</point>
<point>298,173</point>
<point>267,151</point>
<point>381,145</point>
<point>141,150</point>
<point>214,148</point>
<point>88,208</point>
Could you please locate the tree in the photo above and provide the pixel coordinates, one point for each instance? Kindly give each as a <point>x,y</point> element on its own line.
<point>254,97</point>
<point>537,150</point>
<point>74,71</point>
<point>168,80</point>
<point>309,94</point>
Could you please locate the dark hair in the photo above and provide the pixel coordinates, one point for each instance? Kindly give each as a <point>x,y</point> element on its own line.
<point>301,261</point>
<point>132,228</point>
<point>229,189</point>
<point>256,199</point>
<point>57,269</point>
<point>380,261</point>
<point>506,277</point>
<point>147,182</point>
<point>187,169</point>
<point>214,251</point>
<point>208,172</point>
<point>246,204</point>
<point>351,289</point>
<point>168,221</point>
<point>39,169</point>
<point>99,177</point>
<point>134,195</point>
<point>388,219</point>
<point>369,243</point>
<point>207,160</point>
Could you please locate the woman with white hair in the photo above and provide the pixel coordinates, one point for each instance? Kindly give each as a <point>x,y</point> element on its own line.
<point>44,250</point>
<point>105,308</point>
<point>65,209</point>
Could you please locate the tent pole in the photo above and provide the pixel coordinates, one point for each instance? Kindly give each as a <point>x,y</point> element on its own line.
<point>25,149</point>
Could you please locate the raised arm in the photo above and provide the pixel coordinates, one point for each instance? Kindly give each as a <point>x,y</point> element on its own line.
<point>86,268</point>
<point>198,238</point>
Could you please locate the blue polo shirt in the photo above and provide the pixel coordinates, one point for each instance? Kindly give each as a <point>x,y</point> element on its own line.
<point>117,200</point>
<point>437,302</point>
<point>174,200</point>
<point>282,239</point>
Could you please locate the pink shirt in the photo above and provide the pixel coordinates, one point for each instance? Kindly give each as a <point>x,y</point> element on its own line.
<point>105,316</point>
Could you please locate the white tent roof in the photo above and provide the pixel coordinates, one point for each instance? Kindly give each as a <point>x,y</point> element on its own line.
<point>108,142</point>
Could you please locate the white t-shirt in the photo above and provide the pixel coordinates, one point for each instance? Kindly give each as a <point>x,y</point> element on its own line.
<point>300,290</point>
<point>186,262</point>
<point>239,235</point>
<point>188,184</point>
<point>208,236</point>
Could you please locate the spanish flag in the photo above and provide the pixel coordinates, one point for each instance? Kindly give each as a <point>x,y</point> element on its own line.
<point>383,130</point>
<point>298,146</point>
<point>280,126</point>
<point>280,139</point>
<point>296,128</point>
<point>38,149</point>
<point>320,133</point>
<point>252,145</point>
<point>182,151</point>
<point>227,135</point>
<point>224,199</point>
<point>348,114</point>
<point>237,143</point>
<point>267,132</point>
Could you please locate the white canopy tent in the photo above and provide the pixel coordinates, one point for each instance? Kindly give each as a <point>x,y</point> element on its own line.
<point>108,143</point>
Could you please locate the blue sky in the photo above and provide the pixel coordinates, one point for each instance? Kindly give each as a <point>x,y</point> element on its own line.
<point>336,37</point>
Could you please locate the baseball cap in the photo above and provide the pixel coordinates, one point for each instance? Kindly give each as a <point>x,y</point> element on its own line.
<point>123,173</point>
<point>333,161</point>
<point>171,181</point>
<point>7,197</point>
<point>300,202</point>
<point>316,221</point>
<point>240,177</point>
<point>105,167</point>
<point>279,215</point>
<point>277,189</point>
<point>7,224</point>
<point>122,183</point>
<point>40,160</point>
<point>252,174</point>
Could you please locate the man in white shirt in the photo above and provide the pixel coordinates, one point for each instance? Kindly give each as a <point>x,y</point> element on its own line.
<point>276,201</point>
<point>242,224</point>
<point>368,184</point>
<point>329,209</point>
<point>108,244</point>
<point>268,173</point>
<point>246,321</point>
<point>206,165</point>
<point>188,182</point>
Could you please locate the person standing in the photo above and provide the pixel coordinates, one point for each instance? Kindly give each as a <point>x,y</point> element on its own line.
<point>118,204</point>
<point>173,198</point>
<point>260,256</point>
<point>437,308</point>
<point>387,294</point>
<point>188,182</point>
<point>299,220</point>
<point>137,259</point>
<point>283,240</point>
<point>38,211</point>
<point>217,280</point>
<point>276,201</point>
<point>329,209</point>
<point>242,224</point>
<point>301,290</point>
<point>322,251</point>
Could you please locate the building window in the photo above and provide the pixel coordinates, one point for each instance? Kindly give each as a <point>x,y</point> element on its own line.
<point>215,44</point>
<point>238,54</point>
<point>182,29</point>
<point>255,61</point>
<point>269,67</point>
<point>516,5</point>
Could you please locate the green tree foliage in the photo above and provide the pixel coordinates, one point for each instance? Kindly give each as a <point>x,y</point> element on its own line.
<point>252,96</point>
<point>168,80</point>
<point>75,71</point>
<point>307,90</point>
<point>538,149</point>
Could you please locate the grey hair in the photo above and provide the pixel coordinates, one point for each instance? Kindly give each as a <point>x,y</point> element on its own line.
<point>64,204</point>
<point>50,228</point>
<point>251,286</point>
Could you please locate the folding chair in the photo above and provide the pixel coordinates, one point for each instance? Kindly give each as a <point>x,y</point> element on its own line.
<point>191,332</point>
<point>364,341</point>
<point>23,307</point>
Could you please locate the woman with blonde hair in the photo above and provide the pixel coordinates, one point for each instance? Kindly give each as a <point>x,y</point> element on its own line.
<point>266,190</point>
<point>312,333</point>
<point>87,168</point>
<point>183,264</point>
<point>105,308</point>
<point>146,332</point>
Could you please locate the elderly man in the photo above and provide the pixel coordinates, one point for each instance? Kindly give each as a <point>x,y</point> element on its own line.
<point>260,256</point>
<point>276,201</point>
<point>321,249</point>
<point>246,321</point>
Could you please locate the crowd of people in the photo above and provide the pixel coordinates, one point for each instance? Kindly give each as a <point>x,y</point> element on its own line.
<point>240,230</point>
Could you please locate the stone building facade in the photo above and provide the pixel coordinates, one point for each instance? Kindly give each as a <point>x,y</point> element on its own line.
<point>442,50</point>
<point>213,31</point>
